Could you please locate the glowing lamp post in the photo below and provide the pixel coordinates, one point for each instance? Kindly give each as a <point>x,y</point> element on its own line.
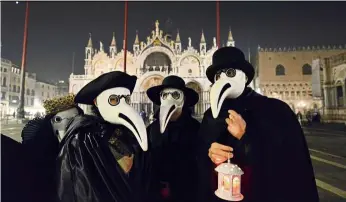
<point>229,180</point>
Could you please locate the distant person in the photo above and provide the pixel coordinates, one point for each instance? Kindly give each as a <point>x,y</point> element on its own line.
<point>300,117</point>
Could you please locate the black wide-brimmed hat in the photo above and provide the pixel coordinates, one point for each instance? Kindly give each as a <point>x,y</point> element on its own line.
<point>191,96</point>
<point>104,82</point>
<point>230,57</point>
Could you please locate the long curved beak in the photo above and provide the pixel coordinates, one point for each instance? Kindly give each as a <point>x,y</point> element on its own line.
<point>218,93</point>
<point>130,118</point>
<point>166,111</point>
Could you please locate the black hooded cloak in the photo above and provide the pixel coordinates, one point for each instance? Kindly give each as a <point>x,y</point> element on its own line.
<point>272,153</point>
<point>87,167</point>
<point>174,157</point>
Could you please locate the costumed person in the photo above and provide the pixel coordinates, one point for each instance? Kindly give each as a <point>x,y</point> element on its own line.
<point>40,139</point>
<point>261,135</point>
<point>172,136</point>
<point>102,157</point>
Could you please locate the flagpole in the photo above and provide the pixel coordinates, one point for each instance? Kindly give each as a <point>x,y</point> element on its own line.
<point>218,23</point>
<point>125,35</point>
<point>20,110</point>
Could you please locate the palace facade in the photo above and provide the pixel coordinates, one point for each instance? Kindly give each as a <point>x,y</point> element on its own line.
<point>287,74</point>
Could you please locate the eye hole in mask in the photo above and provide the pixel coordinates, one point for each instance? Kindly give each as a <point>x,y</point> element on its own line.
<point>57,119</point>
<point>114,100</point>
<point>175,95</point>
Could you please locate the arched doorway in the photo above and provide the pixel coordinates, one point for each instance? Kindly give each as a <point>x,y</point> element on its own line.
<point>145,103</point>
<point>157,61</point>
<point>197,110</point>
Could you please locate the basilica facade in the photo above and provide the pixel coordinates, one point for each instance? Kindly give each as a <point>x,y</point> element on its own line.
<point>151,61</point>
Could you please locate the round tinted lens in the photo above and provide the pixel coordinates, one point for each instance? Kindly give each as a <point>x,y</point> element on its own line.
<point>230,72</point>
<point>57,119</point>
<point>113,100</point>
<point>176,95</point>
<point>128,99</point>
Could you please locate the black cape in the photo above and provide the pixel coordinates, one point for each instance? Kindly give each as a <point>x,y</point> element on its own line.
<point>272,153</point>
<point>174,156</point>
<point>15,186</point>
<point>41,148</point>
<point>87,170</point>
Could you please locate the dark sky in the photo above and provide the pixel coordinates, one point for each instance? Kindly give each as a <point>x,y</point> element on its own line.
<point>57,29</point>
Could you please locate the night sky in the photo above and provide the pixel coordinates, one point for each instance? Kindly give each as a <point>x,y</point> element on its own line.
<point>57,29</point>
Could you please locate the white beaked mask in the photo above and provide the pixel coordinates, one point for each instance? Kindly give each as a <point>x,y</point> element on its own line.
<point>172,100</point>
<point>229,83</point>
<point>61,120</point>
<point>114,106</point>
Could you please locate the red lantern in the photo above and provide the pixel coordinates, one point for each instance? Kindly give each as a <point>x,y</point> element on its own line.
<point>229,181</point>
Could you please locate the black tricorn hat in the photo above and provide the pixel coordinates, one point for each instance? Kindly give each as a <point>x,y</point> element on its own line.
<point>230,57</point>
<point>104,82</point>
<point>191,96</point>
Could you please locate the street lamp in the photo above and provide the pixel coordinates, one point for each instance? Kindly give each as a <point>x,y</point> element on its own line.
<point>20,110</point>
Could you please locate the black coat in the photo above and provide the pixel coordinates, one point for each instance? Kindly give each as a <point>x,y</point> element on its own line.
<point>174,156</point>
<point>15,175</point>
<point>272,153</point>
<point>89,172</point>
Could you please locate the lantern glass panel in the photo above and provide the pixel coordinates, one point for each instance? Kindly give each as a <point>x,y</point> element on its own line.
<point>235,185</point>
<point>226,183</point>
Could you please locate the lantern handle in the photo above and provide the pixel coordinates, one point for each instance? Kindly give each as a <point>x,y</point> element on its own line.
<point>229,158</point>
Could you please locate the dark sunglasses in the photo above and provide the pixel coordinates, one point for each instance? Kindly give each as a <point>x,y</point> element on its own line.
<point>229,73</point>
<point>175,95</point>
<point>115,99</point>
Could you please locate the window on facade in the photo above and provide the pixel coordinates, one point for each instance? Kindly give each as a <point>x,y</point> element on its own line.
<point>3,95</point>
<point>190,71</point>
<point>27,92</point>
<point>32,92</point>
<point>307,70</point>
<point>42,93</point>
<point>32,101</point>
<point>42,86</point>
<point>280,70</point>
<point>340,96</point>
<point>14,87</point>
<point>18,89</point>
<point>5,69</point>
<point>4,81</point>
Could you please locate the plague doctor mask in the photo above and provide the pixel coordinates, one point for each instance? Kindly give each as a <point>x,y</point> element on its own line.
<point>114,106</point>
<point>61,120</point>
<point>229,83</point>
<point>172,100</point>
